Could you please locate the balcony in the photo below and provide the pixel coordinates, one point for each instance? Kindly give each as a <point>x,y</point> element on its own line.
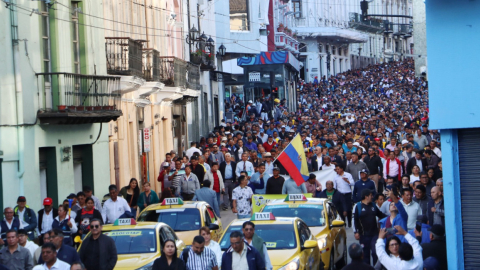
<point>67,98</point>
<point>151,65</point>
<point>124,56</point>
<point>175,72</point>
<point>358,22</point>
<point>284,41</point>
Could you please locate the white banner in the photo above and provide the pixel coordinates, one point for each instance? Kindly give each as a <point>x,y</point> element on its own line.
<point>322,176</point>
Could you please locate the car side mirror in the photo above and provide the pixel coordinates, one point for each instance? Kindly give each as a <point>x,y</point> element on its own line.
<point>338,223</point>
<point>310,244</point>
<point>213,227</point>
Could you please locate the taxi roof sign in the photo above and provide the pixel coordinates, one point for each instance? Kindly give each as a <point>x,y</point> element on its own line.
<point>124,221</point>
<point>172,201</point>
<point>263,216</point>
<point>295,197</point>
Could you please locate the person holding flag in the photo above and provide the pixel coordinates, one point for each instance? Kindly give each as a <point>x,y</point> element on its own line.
<point>295,162</point>
<point>63,222</point>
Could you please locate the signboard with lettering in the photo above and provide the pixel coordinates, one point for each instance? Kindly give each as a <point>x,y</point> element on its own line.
<point>146,140</point>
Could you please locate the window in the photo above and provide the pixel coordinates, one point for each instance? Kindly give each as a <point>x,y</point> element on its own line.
<point>75,39</point>
<point>45,38</point>
<point>297,8</point>
<point>239,15</point>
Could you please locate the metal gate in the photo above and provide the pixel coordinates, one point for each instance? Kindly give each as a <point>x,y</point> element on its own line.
<point>469,167</point>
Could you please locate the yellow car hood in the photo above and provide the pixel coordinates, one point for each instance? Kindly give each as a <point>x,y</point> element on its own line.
<point>281,257</point>
<point>134,261</point>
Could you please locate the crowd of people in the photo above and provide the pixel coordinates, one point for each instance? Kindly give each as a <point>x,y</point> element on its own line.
<point>369,126</point>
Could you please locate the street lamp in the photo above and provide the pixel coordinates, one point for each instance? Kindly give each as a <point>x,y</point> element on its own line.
<point>193,34</point>
<point>222,50</point>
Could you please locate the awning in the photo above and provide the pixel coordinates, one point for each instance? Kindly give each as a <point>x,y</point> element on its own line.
<point>270,58</point>
<point>337,34</point>
<point>168,94</point>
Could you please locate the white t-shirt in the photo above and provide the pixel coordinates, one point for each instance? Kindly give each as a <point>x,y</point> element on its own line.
<point>59,265</point>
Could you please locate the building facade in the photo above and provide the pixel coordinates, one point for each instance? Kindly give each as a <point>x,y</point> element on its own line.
<point>453,102</point>
<point>56,102</point>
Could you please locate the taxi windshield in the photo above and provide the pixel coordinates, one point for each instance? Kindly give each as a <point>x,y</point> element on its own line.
<point>179,219</point>
<point>312,214</point>
<point>278,236</point>
<point>134,241</point>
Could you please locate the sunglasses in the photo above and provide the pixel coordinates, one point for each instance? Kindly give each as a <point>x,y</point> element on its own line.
<point>94,226</point>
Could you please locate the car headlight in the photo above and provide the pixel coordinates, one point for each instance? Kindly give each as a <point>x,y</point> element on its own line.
<point>293,265</point>
<point>147,266</point>
<point>322,242</point>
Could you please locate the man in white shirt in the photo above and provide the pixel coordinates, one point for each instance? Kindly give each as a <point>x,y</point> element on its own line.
<point>23,241</point>
<point>327,163</point>
<point>193,148</point>
<point>114,207</point>
<point>46,216</point>
<point>343,182</point>
<point>412,208</point>
<point>49,256</point>
<point>246,166</point>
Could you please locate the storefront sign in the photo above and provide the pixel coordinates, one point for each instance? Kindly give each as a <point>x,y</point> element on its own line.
<point>254,77</point>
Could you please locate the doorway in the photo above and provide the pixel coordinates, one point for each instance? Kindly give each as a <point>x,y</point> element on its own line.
<point>82,166</point>
<point>48,173</point>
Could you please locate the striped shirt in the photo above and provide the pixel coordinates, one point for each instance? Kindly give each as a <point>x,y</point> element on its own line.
<point>205,261</point>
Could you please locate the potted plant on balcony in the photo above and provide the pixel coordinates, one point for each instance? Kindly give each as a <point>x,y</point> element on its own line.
<point>280,27</point>
<point>287,31</point>
<point>61,108</point>
<point>196,56</point>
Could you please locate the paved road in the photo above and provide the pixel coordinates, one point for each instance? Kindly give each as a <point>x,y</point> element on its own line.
<point>228,216</point>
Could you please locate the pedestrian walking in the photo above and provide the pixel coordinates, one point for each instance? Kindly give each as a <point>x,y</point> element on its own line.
<point>98,251</point>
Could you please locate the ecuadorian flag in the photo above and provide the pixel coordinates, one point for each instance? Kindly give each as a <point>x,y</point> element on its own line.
<point>294,160</point>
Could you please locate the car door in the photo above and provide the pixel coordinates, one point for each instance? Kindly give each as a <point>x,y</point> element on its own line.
<point>309,257</point>
<point>216,220</point>
<point>338,234</point>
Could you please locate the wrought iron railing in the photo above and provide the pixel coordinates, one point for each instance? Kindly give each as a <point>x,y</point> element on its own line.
<point>124,56</point>
<point>151,64</point>
<point>176,72</point>
<point>359,22</point>
<point>77,92</point>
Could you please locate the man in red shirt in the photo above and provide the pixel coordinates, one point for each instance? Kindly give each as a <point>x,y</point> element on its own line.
<point>269,144</point>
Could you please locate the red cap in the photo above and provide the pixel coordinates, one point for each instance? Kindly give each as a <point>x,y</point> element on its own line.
<point>377,139</point>
<point>47,201</point>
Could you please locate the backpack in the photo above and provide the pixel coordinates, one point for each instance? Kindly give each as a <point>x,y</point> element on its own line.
<point>359,208</point>
<point>185,253</point>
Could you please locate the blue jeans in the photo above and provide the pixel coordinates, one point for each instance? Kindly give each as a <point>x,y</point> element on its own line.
<point>243,216</point>
<point>368,243</point>
<point>218,199</point>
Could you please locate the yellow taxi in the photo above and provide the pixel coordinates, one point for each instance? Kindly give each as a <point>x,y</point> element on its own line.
<point>290,243</point>
<point>322,218</point>
<point>185,218</point>
<point>139,244</point>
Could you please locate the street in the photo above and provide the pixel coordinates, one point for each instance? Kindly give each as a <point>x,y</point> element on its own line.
<point>228,216</point>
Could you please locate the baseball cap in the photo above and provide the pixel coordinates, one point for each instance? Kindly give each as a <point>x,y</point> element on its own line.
<point>21,199</point>
<point>165,164</point>
<point>356,144</point>
<point>267,154</point>
<point>364,171</point>
<point>276,168</point>
<point>47,201</point>
<point>404,141</point>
